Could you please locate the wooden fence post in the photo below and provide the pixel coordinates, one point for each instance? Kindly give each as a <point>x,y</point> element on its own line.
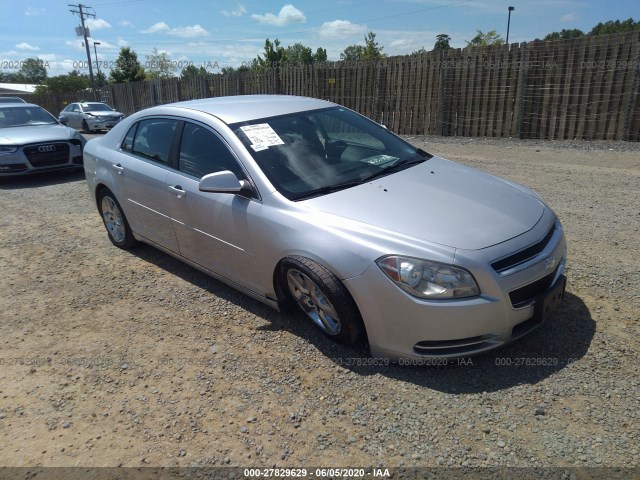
<point>522,79</point>
<point>628,117</point>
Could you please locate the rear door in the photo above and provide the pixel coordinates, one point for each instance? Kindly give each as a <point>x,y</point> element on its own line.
<point>141,172</point>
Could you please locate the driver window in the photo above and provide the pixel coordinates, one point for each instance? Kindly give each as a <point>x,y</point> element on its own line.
<point>203,152</point>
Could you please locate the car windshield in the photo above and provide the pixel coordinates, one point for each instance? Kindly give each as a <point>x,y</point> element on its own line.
<point>313,153</point>
<point>96,107</point>
<point>23,116</point>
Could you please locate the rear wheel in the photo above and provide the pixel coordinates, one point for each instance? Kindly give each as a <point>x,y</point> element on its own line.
<point>114,220</point>
<point>323,299</point>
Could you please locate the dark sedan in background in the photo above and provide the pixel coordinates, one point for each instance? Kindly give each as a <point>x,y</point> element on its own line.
<point>90,116</point>
<point>32,140</point>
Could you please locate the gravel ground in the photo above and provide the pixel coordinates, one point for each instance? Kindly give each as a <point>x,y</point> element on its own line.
<point>114,358</point>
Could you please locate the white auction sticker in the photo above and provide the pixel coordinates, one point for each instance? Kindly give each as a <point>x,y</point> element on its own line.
<point>262,136</point>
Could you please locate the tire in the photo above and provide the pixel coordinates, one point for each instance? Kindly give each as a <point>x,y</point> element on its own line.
<point>323,299</point>
<point>85,127</point>
<point>115,222</point>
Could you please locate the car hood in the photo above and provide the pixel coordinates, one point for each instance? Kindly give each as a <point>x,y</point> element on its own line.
<point>35,134</point>
<point>441,202</point>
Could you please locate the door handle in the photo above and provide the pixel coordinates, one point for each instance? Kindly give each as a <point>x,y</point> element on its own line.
<point>118,168</point>
<point>178,191</point>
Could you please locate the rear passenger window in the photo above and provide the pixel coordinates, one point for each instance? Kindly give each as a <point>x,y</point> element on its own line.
<point>127,143</point>
<point>153,138</point>
<point>203,152</point>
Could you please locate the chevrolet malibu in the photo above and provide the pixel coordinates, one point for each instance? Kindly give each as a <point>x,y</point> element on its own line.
<point>300,201</point>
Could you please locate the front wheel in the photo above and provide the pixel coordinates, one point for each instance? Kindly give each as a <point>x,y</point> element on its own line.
<point>114,220</point>
<point>323,299</point>
<point>85,127</point>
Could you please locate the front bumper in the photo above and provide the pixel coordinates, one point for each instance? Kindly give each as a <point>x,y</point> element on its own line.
<point>400,326</point>
<point>102,123</point>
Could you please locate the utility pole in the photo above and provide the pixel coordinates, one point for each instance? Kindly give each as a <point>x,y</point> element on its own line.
<point>82,14</point>
<point>511,9</point>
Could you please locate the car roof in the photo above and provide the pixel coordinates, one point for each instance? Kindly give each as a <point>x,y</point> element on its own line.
<point>18,104</point>
<point>242,108</point>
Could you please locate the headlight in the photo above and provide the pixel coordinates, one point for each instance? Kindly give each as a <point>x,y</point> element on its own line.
<point>428,279</point>
<point>6,149</point>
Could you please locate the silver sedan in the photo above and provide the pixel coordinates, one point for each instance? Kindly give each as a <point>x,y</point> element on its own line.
<point>301,201</point>
<point>32,140</point>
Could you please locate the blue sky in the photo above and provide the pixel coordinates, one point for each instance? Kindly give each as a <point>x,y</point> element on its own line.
<point>223,33</point>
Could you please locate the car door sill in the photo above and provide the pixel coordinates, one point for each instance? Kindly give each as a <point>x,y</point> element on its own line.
<point>237,286</point>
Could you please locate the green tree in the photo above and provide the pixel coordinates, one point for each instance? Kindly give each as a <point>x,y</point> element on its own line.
<point>127,67</point>
<point>273,53</point>
<point>193,71</point>
<point>616,26</point>
<point>442,43</point>
<point>298,54</point>
<point>485,39</point>
<point>8,77</point>
<point>33,70</point>
<point>100,79</point>
<point>320,55</point>
<point>159,65</point>
<point>565,34</point>
<point>69,83</point>
<point>371,50</point>
<point>352,53</point>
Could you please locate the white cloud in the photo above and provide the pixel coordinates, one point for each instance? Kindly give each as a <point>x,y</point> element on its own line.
<point>157,28</point>
<point>122,42</point>
<point>189,31</point>
<point>33,11</point>
<point>26,46</point>
<point>569,17</point>
<point>288,15</point>
<point>340,28</point>
<point>97,23</point>
<point>77,44</point>
<point>104,45</point>
<point>238,12</point>
<point>400,42</point>
<point>126,23</point>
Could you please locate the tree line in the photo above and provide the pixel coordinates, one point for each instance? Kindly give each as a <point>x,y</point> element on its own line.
<point>158,65</point>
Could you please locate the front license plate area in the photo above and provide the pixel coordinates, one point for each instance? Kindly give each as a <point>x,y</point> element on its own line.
<point>549,300</point>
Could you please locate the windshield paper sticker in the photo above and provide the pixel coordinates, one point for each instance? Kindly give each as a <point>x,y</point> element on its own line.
<point>262,136</point>
<point>380,159</point>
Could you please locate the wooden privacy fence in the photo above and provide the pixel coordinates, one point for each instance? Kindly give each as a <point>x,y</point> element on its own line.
<point>569,89</point>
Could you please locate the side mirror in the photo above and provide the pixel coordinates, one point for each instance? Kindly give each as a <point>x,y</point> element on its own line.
<point>225,182</point>
<point>63,120</point>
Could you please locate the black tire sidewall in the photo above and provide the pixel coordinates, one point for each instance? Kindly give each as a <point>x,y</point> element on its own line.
<point>129,240</point>
<point>351,326</point>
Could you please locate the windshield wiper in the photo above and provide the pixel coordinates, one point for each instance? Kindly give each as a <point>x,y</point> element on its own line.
<point>325,190</point>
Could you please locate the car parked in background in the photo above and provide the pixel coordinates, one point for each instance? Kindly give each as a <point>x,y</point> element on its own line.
<point>11,100</point>
<point>32,140</point>
<point>90,116</point>
<point>298,200</point>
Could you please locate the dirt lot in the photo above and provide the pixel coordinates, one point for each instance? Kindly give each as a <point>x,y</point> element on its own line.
<point>112,358</point>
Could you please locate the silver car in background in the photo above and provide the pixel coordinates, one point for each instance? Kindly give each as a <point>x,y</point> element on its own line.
<point>90,116</point>
<point>32,140</point>
<point>297,200</point>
